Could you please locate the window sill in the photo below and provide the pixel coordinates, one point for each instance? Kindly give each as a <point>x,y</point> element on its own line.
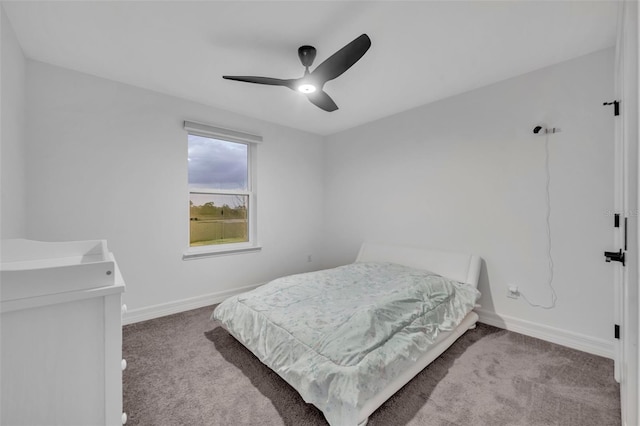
<point>193,253</point>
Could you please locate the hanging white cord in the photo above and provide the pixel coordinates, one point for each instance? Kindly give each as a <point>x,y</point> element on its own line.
<point>554,297</point>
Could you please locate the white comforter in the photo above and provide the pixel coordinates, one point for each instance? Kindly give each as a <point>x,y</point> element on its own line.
<point>340,335</point>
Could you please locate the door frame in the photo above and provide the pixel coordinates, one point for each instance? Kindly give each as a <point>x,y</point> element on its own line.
<point>626,195</point>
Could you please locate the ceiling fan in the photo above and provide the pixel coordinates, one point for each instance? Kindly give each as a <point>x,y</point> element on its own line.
<point>311,83</point>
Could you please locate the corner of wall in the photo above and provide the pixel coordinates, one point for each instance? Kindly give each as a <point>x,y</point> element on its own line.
<point>12,136</point>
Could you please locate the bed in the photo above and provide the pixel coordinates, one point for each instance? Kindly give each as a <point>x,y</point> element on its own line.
<point>347,338</point>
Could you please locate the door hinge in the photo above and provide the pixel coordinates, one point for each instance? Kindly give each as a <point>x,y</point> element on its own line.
<point>616,256</point>
<point>616,107</point>
<point>616,331</point>
<point>616,224</point>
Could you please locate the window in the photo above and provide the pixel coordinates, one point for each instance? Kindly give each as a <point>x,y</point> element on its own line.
<point>221,190</point>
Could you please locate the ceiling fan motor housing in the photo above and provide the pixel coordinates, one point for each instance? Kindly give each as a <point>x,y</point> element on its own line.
<point>307,54</point>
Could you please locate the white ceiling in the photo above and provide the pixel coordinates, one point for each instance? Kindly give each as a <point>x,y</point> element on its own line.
<point>421,51</point>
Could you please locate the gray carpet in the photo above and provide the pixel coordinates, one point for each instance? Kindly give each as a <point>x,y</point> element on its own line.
<point>184,369</point>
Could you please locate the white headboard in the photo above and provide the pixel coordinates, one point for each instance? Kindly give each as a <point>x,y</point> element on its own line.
<point>464,268</point>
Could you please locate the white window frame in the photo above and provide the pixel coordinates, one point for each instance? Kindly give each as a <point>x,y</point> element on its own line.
<point>252,141</point>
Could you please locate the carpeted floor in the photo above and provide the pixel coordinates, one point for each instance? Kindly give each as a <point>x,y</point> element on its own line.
<point>185,370</point>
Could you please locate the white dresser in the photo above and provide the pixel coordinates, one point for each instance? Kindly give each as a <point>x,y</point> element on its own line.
<point>61,334</point>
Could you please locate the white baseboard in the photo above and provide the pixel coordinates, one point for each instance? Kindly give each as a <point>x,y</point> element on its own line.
<point>566,338</point>
<point>174,307</point>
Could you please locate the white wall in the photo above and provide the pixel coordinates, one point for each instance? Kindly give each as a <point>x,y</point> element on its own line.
<point>108,160</point>
<point>12,160</point>
<point>467,174</point>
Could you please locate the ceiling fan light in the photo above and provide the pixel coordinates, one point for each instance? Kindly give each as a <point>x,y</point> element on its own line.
<point>307,88</point>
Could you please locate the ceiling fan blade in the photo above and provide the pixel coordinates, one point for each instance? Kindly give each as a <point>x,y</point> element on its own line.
<point>322,100</point>
<point>342,60</point>
<point>262,80</point>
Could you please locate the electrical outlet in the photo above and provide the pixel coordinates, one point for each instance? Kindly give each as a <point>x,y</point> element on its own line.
<point>513,291</point>
<point>309,259</point>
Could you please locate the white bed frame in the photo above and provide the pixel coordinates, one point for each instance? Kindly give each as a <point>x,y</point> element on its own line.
<point>464,268</point>
<point>460,267</point>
